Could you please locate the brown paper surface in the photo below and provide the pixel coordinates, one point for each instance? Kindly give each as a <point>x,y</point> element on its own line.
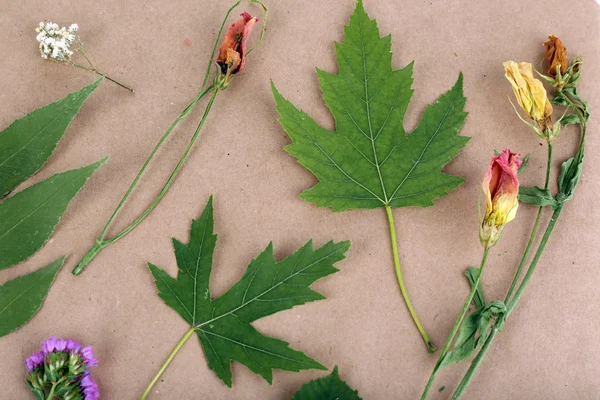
<point>547,350</point>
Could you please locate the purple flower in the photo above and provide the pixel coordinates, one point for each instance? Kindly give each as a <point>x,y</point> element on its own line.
<point>60,344</point>
<point>88,356</point>
<point>66,359</point>
<point>49,345</point>
<point>73,346</point>
<point>89,388</point>
<point>34,361</point>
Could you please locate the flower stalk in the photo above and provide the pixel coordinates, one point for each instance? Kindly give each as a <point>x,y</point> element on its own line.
<point>457,323</point>
<point>55,44</point>
<point>226,69</point>
<point>563,78</point>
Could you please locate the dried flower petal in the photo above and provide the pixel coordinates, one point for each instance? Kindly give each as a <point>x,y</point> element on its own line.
<point>232,54</point>
<point>556,54</point>
<point>529,91</point>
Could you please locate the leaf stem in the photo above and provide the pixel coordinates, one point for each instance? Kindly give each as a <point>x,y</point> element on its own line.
<point>101,242</point>
<point>457,323</point>
<point>162,369</point>
<point>533,231</point>
<point>94,70</point>
<point>430,346</point>
<point>510,307</point>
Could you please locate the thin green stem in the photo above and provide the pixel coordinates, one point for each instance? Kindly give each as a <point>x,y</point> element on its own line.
<point>181,116</point>
<point>216,44</point>
<point>173,174</point>
<point>53,388</point>
<point>510,307</point>
<point>168,361</point>
<point>430,346</point>
<point>51,394</point>
<point>264,24</point>
<point>81,50</point>
<point>457,323</point>
<point>513,303</point>
<point>533,231</point>
<point>102,243</point>
<point>101,74</point>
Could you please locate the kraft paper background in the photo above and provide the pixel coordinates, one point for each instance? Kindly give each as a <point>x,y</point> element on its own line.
<point>549,347</point>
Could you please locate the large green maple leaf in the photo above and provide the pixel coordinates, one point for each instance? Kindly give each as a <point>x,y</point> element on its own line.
<point>369,161</point>
<point>224,325</point>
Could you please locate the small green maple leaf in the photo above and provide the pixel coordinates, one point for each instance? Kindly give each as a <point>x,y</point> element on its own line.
<point>369,160</point>
<point>224,325</point>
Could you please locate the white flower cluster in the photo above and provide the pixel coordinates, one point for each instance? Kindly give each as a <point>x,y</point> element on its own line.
<point>55,42</point>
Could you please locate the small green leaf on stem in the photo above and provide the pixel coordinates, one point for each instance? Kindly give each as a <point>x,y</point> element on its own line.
<point>570,171</point>
<point>523,166</point>
<point>471,274</point>
<point>536,196</point>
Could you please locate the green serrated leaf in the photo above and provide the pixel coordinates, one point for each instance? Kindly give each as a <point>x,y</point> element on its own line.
<point>536,196</point>
<point>223,325</point>
<point>22,297</point>
<point>369,161</point>
<point>28,218</point>
<point>328,387</point>
<point>471,274</point>
<point>27,143</point>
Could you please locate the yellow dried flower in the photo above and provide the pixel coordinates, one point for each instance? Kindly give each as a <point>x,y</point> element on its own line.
<point>529,91</point>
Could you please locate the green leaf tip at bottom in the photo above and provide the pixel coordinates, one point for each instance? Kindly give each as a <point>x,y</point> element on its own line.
<point>28,218</point>
<point>369,161</point>
<point>223,325</point>
<point>328,387</point>
<point>28,142</point>
<point>22,297</point>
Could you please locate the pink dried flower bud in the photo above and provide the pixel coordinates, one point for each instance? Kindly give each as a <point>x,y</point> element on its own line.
<point>501,190</point>
<point>232,54</point>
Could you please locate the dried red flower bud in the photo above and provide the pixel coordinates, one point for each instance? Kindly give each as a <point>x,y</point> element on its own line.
<point>232,54</point>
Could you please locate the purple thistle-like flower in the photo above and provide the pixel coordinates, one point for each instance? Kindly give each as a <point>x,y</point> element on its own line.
<point>89,388</point>
<point>88,356</point>
<point>34,361</point>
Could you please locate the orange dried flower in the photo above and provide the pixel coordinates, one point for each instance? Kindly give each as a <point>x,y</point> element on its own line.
<point>232,54</point>
<point>556,54</point>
